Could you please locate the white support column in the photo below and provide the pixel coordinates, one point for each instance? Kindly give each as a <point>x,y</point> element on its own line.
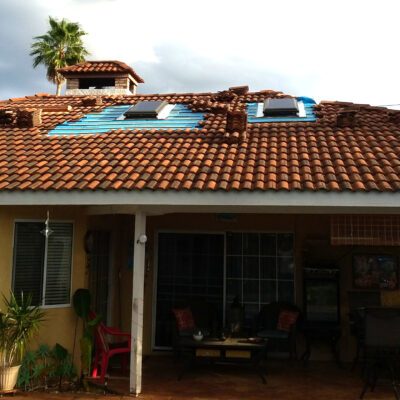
<point>137,304</point>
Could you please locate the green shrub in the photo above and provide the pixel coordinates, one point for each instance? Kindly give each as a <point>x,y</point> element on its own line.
<point>46,368</point>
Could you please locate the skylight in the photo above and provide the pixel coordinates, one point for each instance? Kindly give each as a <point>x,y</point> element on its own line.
<point>280,107</point>
<point>304,113</point>
<point>146,109</point>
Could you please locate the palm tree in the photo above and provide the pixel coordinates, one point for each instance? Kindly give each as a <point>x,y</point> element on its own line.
<point>60,47</point>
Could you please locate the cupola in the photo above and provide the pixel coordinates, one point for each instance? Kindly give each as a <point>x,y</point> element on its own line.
<point>100,77</point>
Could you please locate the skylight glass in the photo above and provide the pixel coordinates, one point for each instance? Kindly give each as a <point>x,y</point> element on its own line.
<point>145,109</point>
<point>280,107</point>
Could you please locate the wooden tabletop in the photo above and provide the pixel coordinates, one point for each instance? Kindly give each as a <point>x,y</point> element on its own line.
<point>242,343</point>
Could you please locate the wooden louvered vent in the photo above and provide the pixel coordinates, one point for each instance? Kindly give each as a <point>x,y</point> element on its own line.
<point>371,230</point>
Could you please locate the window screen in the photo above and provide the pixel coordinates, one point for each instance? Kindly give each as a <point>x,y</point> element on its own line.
<point>42,266</point>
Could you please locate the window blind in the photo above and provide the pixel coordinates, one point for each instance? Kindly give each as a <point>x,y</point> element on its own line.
<point>29,260</point>
<point>58,271</point>
<point>42,267</point>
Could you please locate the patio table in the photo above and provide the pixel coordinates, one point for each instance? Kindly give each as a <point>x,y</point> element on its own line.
<point>240,351</point>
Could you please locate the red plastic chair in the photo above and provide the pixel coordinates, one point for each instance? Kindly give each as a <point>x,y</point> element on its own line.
<point>104,349</point>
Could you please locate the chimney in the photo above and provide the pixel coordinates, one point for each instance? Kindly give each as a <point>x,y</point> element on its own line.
<point>96,78</point>
<point>29,117</point>
<point>236,125</point>
<point>347,118</point>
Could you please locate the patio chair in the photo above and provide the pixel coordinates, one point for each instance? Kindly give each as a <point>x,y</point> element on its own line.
<point>105,349</point>
<point>279,323</point>
<point>199,315</point>
<point>381,347</point>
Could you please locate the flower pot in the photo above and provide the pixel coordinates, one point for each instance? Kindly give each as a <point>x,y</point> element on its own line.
<point>8,378</point>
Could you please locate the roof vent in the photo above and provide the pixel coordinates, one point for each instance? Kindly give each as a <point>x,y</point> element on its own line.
<point>146,109</point>
<point>280,107</point>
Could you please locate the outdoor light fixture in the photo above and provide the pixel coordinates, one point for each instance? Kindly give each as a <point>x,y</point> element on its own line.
<point>142,239</point>
<point>47,231</point>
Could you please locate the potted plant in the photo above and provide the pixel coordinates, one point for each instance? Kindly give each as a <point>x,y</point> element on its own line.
<point>19,321</point>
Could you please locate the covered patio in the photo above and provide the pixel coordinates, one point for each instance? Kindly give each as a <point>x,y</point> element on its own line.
<point>316,243</point>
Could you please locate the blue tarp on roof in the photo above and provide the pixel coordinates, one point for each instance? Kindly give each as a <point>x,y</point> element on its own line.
<point>308,106</point>
<point>180,117</point>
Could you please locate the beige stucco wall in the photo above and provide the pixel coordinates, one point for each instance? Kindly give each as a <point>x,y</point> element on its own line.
<point>59,326</point>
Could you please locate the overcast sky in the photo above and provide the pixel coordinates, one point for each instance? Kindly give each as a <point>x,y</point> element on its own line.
<point>335,50</point>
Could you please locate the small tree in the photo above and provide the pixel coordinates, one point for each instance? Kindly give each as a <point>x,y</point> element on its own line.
<point>60,47</point>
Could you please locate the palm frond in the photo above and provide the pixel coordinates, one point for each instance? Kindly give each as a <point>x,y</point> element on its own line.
<point>59,47</point>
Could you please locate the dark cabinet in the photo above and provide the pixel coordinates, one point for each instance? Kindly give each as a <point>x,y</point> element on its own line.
<point>321,295</point>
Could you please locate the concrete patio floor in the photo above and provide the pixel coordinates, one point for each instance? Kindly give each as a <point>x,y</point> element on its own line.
<point>285,380</point>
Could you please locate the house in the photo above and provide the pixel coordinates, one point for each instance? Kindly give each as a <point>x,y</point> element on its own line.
<point>150,199</point>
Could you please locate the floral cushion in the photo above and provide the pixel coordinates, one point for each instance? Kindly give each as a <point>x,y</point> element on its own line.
<point>184,319</point>
<point>286,320</point>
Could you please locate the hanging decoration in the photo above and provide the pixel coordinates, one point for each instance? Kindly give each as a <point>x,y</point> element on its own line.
<point>47,231</point>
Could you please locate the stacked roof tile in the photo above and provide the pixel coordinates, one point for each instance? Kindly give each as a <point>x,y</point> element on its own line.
<point>306,156</point>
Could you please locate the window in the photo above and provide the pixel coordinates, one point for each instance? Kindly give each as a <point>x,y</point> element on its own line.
<point>42,266</point>
<point>259,269</point>
<point>96,83</point>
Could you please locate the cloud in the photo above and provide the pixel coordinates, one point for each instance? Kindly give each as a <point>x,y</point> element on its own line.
<point>19,21</point>
<point>336,50</point>
<point>180,69</point>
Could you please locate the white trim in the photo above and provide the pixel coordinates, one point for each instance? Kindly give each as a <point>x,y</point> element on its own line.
<point>215,201</point>
<point>139,254</point>
<point>164,113</point>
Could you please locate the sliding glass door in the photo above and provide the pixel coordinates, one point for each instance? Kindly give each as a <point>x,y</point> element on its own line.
<point>190,268</point>
<point>258,268</point>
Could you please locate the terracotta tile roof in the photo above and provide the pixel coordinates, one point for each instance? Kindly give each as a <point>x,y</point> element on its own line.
<point>335,153</point>
<point>101,66</point>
